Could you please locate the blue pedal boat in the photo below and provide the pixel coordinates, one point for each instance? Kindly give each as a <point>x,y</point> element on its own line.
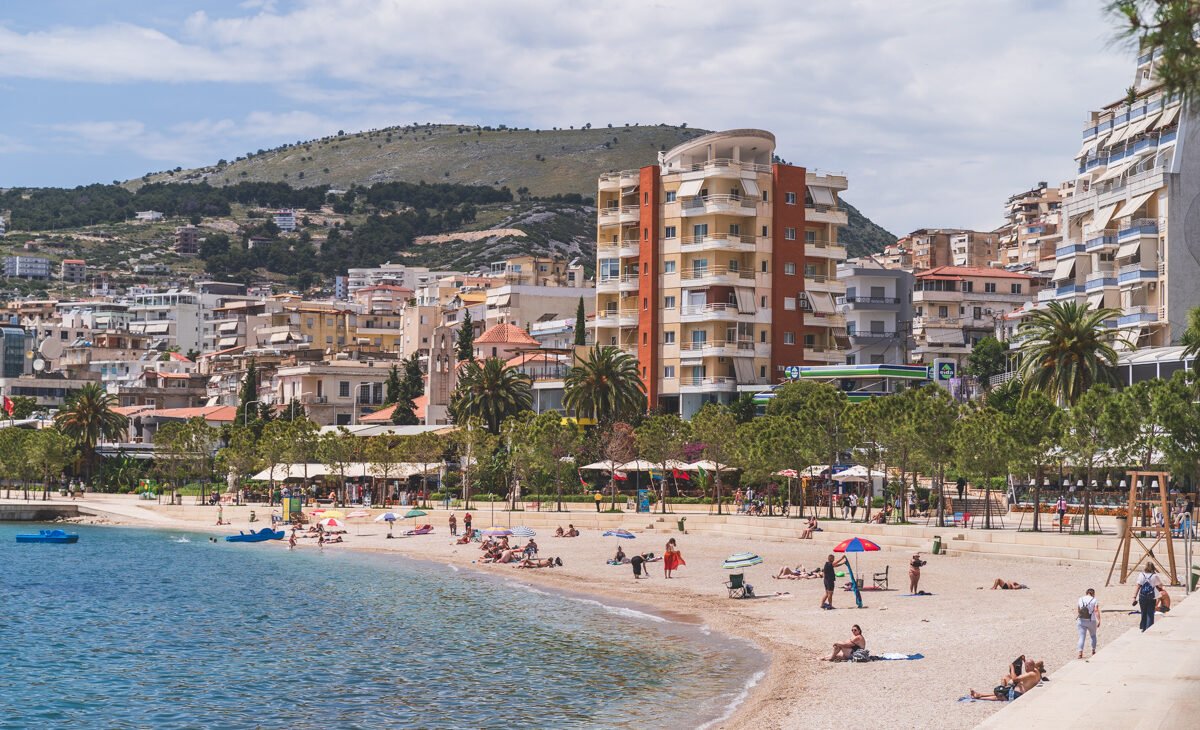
<point>52,536</point>
<point>262,535</point>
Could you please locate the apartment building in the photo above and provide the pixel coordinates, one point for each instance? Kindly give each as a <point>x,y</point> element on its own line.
<point>409,277</point>
<point>285,220</point>
<point>1031,232</point>
<point>973,248</point>
<point>26,267</point>
<point>539,271</point>
<point>930,247</point>
<point>1128,238</point>
<point>878,311</point>
<point>956,306</point>
<point>717,268</point>
<point>333,393</point>
<point>72,271</point>
<point>187,240</point>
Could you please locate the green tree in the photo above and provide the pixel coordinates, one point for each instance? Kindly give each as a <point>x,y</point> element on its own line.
<point>240,456</point>
<point>864,425</point>
<point>716,430</point>
<point>427,449</point>
<point>87,418</point>
<point>982,446</point>
<point>771,444</point>
<point>580,324</point>
<point>1190,339</point>
<point>618,445</point>
<point>819,408</point>
<point>337,450</point>
<point>1037,425</point>
<point>391,388</point>
<point>660,439</point>
<point>1006,396</point>
<point>384,456</point>
<point>475,444</point>
<point>414,380</point>
<point>491,391</point>
<point>23,407</point>
<point>275,447</point>
<point>1094,425</point>
<point>1181,419</point>
<point>605,386</point>
<point>13,455</point>
<point>49,452</point>
<point>465,344</point>
<point>930,425</point>
<point>249,407</point>
<point>988,357</point>
<point>1066,349</point>
<point>1167,26</point>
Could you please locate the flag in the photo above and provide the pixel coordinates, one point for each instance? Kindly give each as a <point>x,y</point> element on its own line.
<point>620,476</point>
<point>8,406</point>
<point>702,474</point>
<point>681,475</point>
<point>582,481</point>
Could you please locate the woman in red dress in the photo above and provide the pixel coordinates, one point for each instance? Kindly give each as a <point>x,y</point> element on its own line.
<point>672,559</point>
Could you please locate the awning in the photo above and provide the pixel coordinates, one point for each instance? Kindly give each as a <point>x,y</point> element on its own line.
<point>1168,116</point>
<point>1095,301</point>
<point>1143,124</point>
<point>1119,135</point>
<point>228,327</point>
<point>1063,269</point>
<point>822,302</point>
<point>743,369</point>
<point>750,188</point>
<point>1104,215</point>
<point>745,299</point>
<point>943,336</point>
<point>503,300</point>
<point>1087,148</point>
<point>279,337</point>
<point>1116,170</point>
<point>1133,204</point>
<point>821,195</point>
<point>158,328</point>
<point>227,342</point>
<point>689,189</point>
<point>1129,248</point>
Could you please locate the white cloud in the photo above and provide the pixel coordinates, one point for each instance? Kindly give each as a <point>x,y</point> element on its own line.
<point>936,109</point>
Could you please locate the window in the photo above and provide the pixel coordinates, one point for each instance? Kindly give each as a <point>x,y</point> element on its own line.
<point>669,302</point>
<point>877,359</point>
<point>810,236</point>
<point>735,229</point>
<point>968,286</point>
<point>789,304</point>
<point>543,267</point>
<point>669,267</point>
<point>645,198</point>
<point>810,340</point>
<point>789,234</point>
<point>850,359</point>
<point>789,338</point>
<point>670,196</point>
<point>764,196</point>
<point>943,312</point>
<point>669,372</point>
<point>810,270</point>
<point>763,266</point>
<point>762,369</point>
<point>762,335</point>
<point>733,265</point>
<point>989,287</point>
<point>762,302</point>
<point>669,232</point>
<point>344,389</point>
<point>699,231</point>
<point>789,198</point>
<point>669,337</point>
<point>789,268</point>
<point>309,322</point>
<point>1016,288</point>
<point>645,303</point>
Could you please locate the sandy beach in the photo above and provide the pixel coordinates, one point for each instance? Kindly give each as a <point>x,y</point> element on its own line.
<point>967,633</point>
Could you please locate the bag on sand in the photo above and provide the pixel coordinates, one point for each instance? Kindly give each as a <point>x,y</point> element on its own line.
<point>860,655</point>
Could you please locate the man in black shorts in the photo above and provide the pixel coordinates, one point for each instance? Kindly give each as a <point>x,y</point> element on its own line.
<point>828,574</point>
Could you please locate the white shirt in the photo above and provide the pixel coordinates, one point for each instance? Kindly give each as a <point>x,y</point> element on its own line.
<point>1089,602</point>
<point>1153,580</point>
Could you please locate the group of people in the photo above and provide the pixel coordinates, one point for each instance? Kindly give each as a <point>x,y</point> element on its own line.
<point>499,551</point>
<point>569,532</point>
<point>1022,675</point>
<point>454,524</point>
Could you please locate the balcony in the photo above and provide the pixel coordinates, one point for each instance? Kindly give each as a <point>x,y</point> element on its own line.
<point>1134,273</point>
<point>1137,315</point>
<point>1068,251</point>
<point>813,319</point>
<point>716,384</point>
<point>629,283</point>
<point>719,204</point>
<point>824,283</point>
<point>858,302</point>
<point>1139,227</point>
<point>1100,243</point>
<point>867,336</point>
<point>821,353</point>
<point>1101,278</point>
<point>715,312</point>
<point>617,318</point>
<point>608,284</point>
<point>1067,290</point>
<point>825,250</point>
<point>825,214</point>
<point>718,242</point>
<point>932,296</point>
<point>1046,295</point>
<point>630,248</point>
<point>608,250</point>
<point>716,276</point>
<point>630,213</point>
<point>716,348</point>
<point>608,216</point>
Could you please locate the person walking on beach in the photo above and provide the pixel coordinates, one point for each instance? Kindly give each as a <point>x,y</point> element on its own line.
<point>1089,619</point>
<point>914,572</point>
<point>453,525</point>
<point>672,558</point>
<point>1145,597</point>
<point>829,575</point>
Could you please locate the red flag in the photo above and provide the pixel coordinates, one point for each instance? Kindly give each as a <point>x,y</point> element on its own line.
<point>582,481</point>
<point>681,475</point>
<point>8,406</point>
<point>620,476</point>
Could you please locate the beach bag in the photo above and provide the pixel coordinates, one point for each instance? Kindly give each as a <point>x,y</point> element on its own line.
<point>1001,690</point>
<point>1146,590</point>
<point>748,591</point>
<point>860,655</point>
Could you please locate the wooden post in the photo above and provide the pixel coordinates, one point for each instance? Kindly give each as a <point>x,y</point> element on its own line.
<point>1138,533</point>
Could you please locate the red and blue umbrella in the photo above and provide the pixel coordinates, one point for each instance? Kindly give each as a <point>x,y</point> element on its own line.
<point>856,545</point>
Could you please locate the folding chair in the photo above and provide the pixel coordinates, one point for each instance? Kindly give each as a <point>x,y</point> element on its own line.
<point>736,585</point>
<point>880,580</point>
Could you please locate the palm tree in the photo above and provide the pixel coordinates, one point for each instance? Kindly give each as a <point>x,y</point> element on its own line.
<point>88,418</point>
<point>1066,349</point>
<point>1191,337</point>
<point>605,386</point>
<point>491,391</point>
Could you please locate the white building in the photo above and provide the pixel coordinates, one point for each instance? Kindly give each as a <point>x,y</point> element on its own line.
<point>26,267</point>
<point>409,277</point>
<point>878,310</point>
<point>285,220</point>
<point>148,216</point>
<point>2,228</point>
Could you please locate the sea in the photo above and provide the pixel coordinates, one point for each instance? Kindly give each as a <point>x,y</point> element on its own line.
<point>133,628</point>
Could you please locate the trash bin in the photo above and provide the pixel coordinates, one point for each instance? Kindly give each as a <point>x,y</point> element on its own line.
<point>681,521</point>
<point>253,517</point>
<point>1195,577</point>
<point>937,544</point>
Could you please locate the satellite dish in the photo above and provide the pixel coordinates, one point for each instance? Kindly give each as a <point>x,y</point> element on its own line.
<point>39,365</point>
<point>50,349</point>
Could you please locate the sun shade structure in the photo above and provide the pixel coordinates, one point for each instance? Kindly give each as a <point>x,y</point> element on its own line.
<point>741,560</point>
<point>623,534</point>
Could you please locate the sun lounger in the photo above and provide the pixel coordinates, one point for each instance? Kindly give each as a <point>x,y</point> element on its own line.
<point>422,530</point>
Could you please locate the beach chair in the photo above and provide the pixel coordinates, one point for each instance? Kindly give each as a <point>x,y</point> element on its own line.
<point>1076,524</point>
<point>957,519</point>
<point>880,580</point>
<point>736,585</point>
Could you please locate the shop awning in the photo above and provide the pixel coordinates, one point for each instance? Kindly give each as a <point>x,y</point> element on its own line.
<point>1063,269</point>
<point>1132,205</point>
<point>821,195</point>
<point>1088,148</point>
<point>689,188</point>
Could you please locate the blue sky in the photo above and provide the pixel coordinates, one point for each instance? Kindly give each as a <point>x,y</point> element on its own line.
<point>936,109</point>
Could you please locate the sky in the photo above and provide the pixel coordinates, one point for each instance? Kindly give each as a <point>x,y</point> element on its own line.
<point>937,110</point>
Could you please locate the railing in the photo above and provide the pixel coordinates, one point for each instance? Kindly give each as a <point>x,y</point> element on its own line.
<point>1139,227</point>
<point>824,208</point>
<point>694,346</point>
<point>1068,250</point>
<point>855,299</point>
<point>1137,272</point>
<point>725,162</point>
<point>690,274</point>
<point>607,314</point>
<point>1107,239</point>
<point>716,307</point>
<point>616,176</point>
<point>871,335</point>
<point>708,237</point>
<point>707,200</point>
<point>630,210</point>
<point>712,380</point>
<point>1133,315</point>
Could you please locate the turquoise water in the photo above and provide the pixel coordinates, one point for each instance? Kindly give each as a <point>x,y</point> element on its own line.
<point>135,628</point>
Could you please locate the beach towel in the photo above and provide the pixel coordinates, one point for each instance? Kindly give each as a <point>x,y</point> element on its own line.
<point>672,560</point>
<point>893,656</point>
<point>914,595</point>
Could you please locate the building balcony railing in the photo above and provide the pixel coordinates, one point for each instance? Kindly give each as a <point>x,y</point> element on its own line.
<point>608,284</point>
<point>1137,272</point>
<point>1099,243</point>
<point>718,242</point>
<point>714,311</point>
<point>629,247</point>
<point>1136,315</point>
<point>1069,289</point>
<point>1046,295</point>
<point>715,274</point>
<point>724,163</point>
<point>697,384</point>
<point>857,299</point>
<point>630,213</point>
<point>743,348</point>
<point>871,335</point>
<point>732,204</point>
<point>617,317</point>
<point>1139,227</point>
<point>825,249</point>
<point>1069,250</point>
<point>825,214</point>
<point>609,214</point>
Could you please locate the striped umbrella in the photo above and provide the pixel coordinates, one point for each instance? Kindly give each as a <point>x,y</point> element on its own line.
<point>741,560</point>
<point>358,514</point>
<point>522,531</point>
<point>623,534</point>
<point>497,531</point>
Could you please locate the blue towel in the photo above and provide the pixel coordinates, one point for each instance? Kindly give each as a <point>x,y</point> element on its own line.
<point>895,657</point>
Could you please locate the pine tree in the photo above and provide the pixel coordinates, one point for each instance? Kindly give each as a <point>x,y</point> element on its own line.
<point>466,339</point>
<point>392,386</point>
<point>249,396</point>
<point>414,380</point>
<point>580,324</point>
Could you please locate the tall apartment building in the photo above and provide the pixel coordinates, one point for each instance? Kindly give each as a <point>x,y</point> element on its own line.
<point>73,271</point>
<point>878,310</point>
<point>956,306</point>
<point>973,248</point>
<point>717,269</point>
<point>27,267</point>
<point>187,240</point>
<point>930,247</point>
<point>1129,240</point>
<point>1031,231</point>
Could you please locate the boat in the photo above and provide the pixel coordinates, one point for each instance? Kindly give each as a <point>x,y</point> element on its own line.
<point>262,535</point>
<point>54,536</point>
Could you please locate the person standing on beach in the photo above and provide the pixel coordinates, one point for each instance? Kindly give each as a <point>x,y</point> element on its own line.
<point>853,504</point>
<point>829,575</point>
<point>1145,596</point>
<point>1061,510</point>
<point>453,525</point>
<point>598,497</point>
<point>1089,619</point>
<point>467,524</point>
<point>672,558</point>
<point>914,572</point>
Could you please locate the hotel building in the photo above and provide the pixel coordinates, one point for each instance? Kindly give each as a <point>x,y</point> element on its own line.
<point>717,269</point>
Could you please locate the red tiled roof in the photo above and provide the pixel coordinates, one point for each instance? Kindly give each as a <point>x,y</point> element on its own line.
<point>131,410</point>
<point>960,271</point>
<point>505,334</point>
<point>208,413</point>
<point>224,352</point>
<point>72,261</point>
<point>384,415</point>
<point>530,358</point>
<point>178,358</point>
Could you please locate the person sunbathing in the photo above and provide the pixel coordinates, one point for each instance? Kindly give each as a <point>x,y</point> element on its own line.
<point>571,531</point>
<point>1007,585</point>
<point>1020,686</point>
<point>798,574</point>
<point>879,518</point>
<point>535,563</point>
<point>619,558</point>
<point>463,540</point>
<point>559,532</point>
<point>843,649</point>
<point>809,529</point>
<point>508,556</point>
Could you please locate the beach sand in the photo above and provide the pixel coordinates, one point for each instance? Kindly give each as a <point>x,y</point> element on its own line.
<point>967,635</point>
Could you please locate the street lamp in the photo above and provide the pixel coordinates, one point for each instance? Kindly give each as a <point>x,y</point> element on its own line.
<point>246,410</point>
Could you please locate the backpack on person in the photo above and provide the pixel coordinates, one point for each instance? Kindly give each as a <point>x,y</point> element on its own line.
<point>1085,610</point>
<point>1146,589</point>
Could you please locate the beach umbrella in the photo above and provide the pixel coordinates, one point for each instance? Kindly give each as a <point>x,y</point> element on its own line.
<point>387,517</point>
<point>623,534</point>
<point>497,531</point>
<point>522,531</point>
<point>789,473</point>
<point>856,545</point>
<point>741,560</point>
<point>334,513</point>
<point>358,514</point>
<point>332,524</point>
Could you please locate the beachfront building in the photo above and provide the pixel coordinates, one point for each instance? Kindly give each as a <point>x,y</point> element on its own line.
<point>717,269</point>
<point>333,393</point>
<point>1128,241</point>
<point>956,306</point>
<point>878,311</point>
